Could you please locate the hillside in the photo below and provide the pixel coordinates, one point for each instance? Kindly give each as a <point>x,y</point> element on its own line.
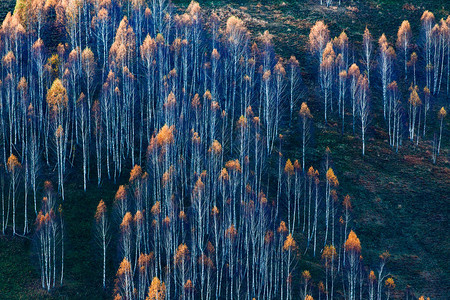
<point>400,200</point>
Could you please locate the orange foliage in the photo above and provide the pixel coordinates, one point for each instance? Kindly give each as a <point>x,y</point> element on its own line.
<point>304,111</point>
<point>22,85</point>
<point>148,48</point>
<point>182,254</point>
<point>282,229</point>
<point>318,36</point>
<point>101,210</point>
<point>328,56</point>
<point>414,58</point>
<point>57,97</point>
<point>321,287</point>
<point>389,283</point>
<point>332,178</point>
<point>144,261</point>
<point>124,268</point>
<point>414,98</point>
<point>196,102</point>
<point>289,243</point>
<point>354,71</point>
<point>289,168</point>
<point>215,211</point>
<point>342,39</point>
<point>166,222</point>
<point>215,106</point>
<point>279,68</point>
<point>167,176</point>
<point>233,165</point>
<point>352,244</point>
<point>135,173</point>
<point>9,59</point>
<point>242,122</point>
<point>199,186</point>
<point>210,248</point>
<point>121,193</point>
<point>156,290</point>
<point>205,260</point>
<point>363,82</point>
<point>13,164</point>
<point>216,148</point>
<point>328,254</point>
<point>88,61</point>
<point>442,113</point>
<point>268,237</point>
<point>293,61</point>
<point>231,232</point>
<point>367,36</point>
<point>262,198</point>
<point>182,216</point>
<point>427,17</point>
<point>235,30</point>
<point>48,186</point>
<point>385,255</point>
<point>311,172</point>
<point>207,95</point>
<point>297,165</point>
<point>393,86</point>
<point>165,135</point>
<point>117,297</point>
<point>59,132</point>
<point>347,203</point>
<point>138,217</point>
<point>160,39</point>
<point>188,285</point>
<point>124,42</point>
<point>156,208</point>
<point>404,34</point>
<point>266,38</point>
<point>334,195</point>
<point>306,275</point>
<point>372,276</point>
<point>215,54</point>
<point>126,222</point>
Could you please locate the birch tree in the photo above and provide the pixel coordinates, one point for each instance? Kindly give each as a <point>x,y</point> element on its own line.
<point>305,115</point>
<point>102,228</point>
<point>403,42</point>
<point>367,52</point>
<point>353,249</point>
<point>441,115</point>
<point>363,108</point>
<point>14,168</point>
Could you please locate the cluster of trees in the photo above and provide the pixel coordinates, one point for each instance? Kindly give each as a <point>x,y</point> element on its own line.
<point>328,3</point>
<point>50,239</point>
<point>224,240</point>
<point>338,73</point>
<point>212,209</point>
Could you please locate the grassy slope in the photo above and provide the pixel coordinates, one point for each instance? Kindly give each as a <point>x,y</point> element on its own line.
<point>400,200</point>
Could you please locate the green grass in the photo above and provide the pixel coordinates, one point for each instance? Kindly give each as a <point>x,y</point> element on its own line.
<point>82,276</point>
<point>5,7</point>
<point>400,201</point>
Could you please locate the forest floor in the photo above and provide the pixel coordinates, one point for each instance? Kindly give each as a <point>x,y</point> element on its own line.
<point>400,201</point>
